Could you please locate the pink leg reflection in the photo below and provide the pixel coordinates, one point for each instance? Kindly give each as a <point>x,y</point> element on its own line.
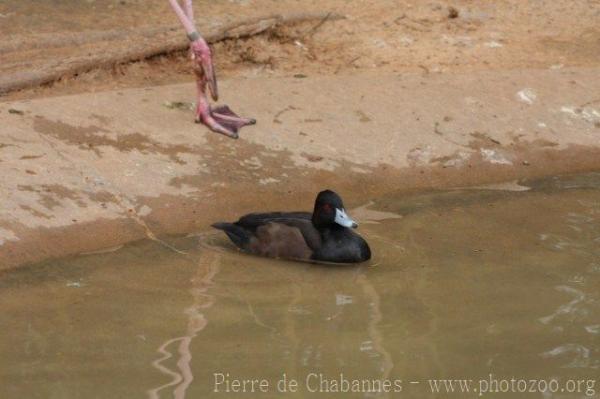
<point>183,377</point>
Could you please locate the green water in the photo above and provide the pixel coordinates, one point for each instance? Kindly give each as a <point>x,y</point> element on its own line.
<point>463,284</point>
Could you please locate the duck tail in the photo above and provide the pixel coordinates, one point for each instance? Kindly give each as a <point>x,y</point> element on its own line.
<point>221,225</point>
<point>238,235</point>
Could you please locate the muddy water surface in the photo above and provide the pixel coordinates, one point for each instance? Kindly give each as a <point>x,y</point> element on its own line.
<point>485,284</point>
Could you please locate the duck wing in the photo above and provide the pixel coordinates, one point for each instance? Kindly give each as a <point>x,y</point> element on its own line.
<point>273,221</point>
<point>254,220</point>
<point>275,234</point>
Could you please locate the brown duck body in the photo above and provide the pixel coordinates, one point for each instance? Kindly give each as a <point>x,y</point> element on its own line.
<point>293,235</point>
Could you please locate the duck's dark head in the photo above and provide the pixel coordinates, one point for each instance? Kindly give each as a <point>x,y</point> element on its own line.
<point>329,211</point>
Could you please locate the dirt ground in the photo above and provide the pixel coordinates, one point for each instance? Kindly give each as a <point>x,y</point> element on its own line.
<point>386,35</point>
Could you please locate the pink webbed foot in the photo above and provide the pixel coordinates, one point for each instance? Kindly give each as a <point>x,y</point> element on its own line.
<point>222,120</point>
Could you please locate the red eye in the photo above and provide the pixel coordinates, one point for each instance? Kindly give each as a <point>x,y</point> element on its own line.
<point>326,207</point>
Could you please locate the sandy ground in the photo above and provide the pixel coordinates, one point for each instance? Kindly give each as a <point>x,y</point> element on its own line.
<point>385,35</point>
<point>397,95</point>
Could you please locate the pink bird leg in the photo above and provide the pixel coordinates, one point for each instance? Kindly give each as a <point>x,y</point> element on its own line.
<point>219,119</point>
